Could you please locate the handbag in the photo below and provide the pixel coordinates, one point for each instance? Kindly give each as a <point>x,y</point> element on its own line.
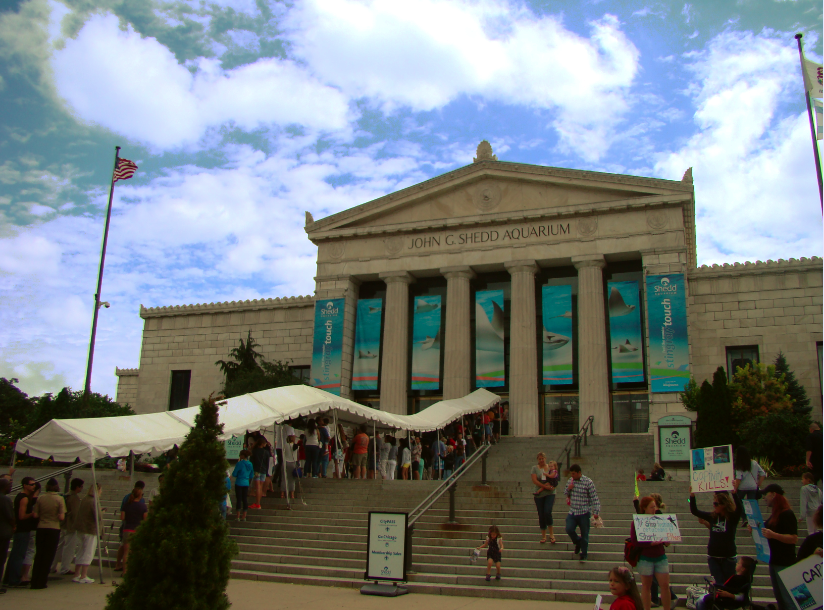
<point>632,552</point>
<point>297,472</point>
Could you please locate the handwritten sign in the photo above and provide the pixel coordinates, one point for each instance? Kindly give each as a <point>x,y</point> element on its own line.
<point>803,581</point>
<point>711,469</point>
<point>598,600</point>
<point>656,528</point>
<point>386,546</point>
<point>756,521</point>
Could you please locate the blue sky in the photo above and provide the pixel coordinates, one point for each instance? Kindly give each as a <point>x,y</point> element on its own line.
<point>243,114</point>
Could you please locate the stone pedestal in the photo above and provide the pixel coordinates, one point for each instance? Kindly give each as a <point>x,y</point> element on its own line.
<point>395,350</point>
<point>523,351</point>
<point>457,369</point>
<point>593,372</point>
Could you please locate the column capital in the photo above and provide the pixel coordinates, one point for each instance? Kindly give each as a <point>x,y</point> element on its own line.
<point>525,266</point>
<point>589,260</point>
<point>390,277</point>
<point>459,271</point>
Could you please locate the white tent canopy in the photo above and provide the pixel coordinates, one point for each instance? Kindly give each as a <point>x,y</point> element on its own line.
<point>95,438</point>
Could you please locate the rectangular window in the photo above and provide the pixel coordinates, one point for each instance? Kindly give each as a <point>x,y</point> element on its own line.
<point>739,357</point>
<point>630,413</point>
<point>301,373</point>
<point>179,394</point>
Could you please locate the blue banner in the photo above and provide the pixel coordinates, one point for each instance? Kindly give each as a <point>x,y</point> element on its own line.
<point>754,518</point>
<point>556,311</point>
<point>668,343</point>
<point>327,345</point>
<point>489,339</point>
<point>367,355</point>
<point>626,346</point>
<point>426,343</point>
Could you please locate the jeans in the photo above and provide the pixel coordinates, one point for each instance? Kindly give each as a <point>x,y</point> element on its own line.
<point>544,506</point>
<point>782,596</point>
<point>312,460</point>
<point>19,544</point>
<point>582,522</point>
<point>721,568</point>
<point>447,473</point>
<point>324,461</point>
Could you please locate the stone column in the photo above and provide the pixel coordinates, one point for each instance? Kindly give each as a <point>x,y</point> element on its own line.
<point>593,372</point>
<point>457,369</point>
<point>523,351</point>
<point>395,349</point>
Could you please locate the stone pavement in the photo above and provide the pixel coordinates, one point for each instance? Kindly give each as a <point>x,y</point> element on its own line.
<point>245,594</point>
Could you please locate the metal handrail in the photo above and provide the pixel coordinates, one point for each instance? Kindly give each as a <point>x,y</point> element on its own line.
<point>575,439</point>
<point>54,474</point>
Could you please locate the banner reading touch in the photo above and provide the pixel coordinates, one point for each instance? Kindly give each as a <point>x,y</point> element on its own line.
<point>668,342</point>
<point>367,354</point>
<point>327,345</point>
<point>626,344</point>
<point>556,309</point>
<point>489,339</point>
<point>426,343</point>
<point>711,469</point>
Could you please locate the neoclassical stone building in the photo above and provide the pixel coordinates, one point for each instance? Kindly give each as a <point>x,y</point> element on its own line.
<point>520,235</point>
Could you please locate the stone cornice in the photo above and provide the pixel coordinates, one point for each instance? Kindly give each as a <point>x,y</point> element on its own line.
<point>226,306</point>
<point>126,372</point>
<point>589,260</point>
<point>758,267</point>
<point>496,169</point>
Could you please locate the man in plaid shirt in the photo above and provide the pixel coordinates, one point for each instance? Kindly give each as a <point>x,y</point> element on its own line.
<point>583,501</point>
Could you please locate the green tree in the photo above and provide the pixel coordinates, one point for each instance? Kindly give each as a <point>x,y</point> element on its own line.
<point>15,405</point>
<point>796,391</point>
<point>713,403</point>
<point>778,435</point>
<point>181,555</point>
<point>758,392</point>
<point>248,371</point>
<point>244,359</point>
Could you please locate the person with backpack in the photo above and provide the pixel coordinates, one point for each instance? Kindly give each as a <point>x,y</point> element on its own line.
<point>652,562</point>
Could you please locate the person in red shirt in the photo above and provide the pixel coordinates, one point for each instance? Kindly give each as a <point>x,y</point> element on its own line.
<point>623,586</point>
<point>641,476</point>
<point>360,447</point>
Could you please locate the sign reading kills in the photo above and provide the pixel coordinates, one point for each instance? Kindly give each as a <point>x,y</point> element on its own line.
<point>711,469</point>
<point>386,545</point>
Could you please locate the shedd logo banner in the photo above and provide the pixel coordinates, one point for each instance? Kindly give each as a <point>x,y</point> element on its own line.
<point>327,345</point>
<point>668,342</point>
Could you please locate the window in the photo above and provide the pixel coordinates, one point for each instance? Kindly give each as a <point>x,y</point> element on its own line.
<point>301,373</point>
<point>630,413</point>
<point>179,394</point>
<point>739,357</point>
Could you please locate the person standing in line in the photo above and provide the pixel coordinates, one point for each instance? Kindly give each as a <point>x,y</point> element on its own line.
<point>653,563</point>
<point>392,460</point>
<point>243,474</point>
<point>723,521</point>
<point>416,451</point>
<point>325,445</point>
<point>341,447</point>
<point>383,458</point>
<point>583,502</point>
<point>6,524</point>
<point>810,500</point>
<point>373,456</point>
<point>260,465</point>
<point>406,460</point>
<point>813,445</point>
<point>781,532</point>
<point>545,482</point>
<point>438,454</point>
<point>118,564</point>
<point>50,510</point>
<point>290,453</point>
<point>132,516</point>
<point>360,449</point>
<point>312,449</point>
<point>25,524</point>
<point>748,477</point>
<point>87,516</point>
<point>449,462</point>
<point>67,532</point>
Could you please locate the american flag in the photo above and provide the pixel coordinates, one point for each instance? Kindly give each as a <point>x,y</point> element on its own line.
<point>125,170</point>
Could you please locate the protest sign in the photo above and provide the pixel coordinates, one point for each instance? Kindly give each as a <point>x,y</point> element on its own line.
<point>711,469</point>
<point>656,528</point>
<point>756,521</point>
<point>803,581</point>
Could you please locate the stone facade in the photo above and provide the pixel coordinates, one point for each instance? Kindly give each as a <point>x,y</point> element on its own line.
<point>127,382</point>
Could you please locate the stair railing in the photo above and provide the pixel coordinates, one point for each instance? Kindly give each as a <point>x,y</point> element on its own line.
<point>574,443</point>
<point>449,484</point>
<point>64,471</point>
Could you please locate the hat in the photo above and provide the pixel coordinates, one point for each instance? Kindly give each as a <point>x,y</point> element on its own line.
<point>773,487</point>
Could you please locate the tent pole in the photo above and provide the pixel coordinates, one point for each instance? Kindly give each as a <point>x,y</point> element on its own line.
<point>285,481</point>
<point>97,521</point>
<point>375,450</point>
<point>338,467</point>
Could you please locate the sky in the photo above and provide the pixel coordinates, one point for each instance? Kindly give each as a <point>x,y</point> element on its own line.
<point>243,114</point>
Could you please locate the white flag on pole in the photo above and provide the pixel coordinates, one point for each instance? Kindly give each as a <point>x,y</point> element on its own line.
<point>814,77</point>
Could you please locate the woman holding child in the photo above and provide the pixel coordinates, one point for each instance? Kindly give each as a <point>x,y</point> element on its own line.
<point>545,478</point>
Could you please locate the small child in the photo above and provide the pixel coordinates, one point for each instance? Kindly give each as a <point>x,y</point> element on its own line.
<point>731,594</point>
<point>406,462</point>
<point>494,545</point>
<point>810,500</point>
<point>553,475</point>
<point>243,473</point>
<point>623,586</point>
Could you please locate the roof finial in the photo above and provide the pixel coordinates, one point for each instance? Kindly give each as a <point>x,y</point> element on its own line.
<point>484,152</point>
<point>687,176</point>
<point>309,219</point>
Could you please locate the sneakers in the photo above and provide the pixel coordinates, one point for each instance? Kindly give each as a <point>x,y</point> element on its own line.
<point>583,559</point>
<point>83,581</point>
<point>255,506</point>
<point>488,577</point>
<point>497,577</point>
<point>577,548</point>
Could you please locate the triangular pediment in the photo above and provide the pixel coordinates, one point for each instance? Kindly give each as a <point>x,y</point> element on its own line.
<point>499,190</point>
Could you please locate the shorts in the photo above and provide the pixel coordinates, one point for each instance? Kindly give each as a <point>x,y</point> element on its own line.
<point>407,465</point>
<point>649,567</point>
<point>488,428</point>
<point>259,476</point>
<point>29,558</point>
<point>495,556</point>
<point>359,460</point>
<point>127,535</point>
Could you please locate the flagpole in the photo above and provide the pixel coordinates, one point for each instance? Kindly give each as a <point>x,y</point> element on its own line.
<point>798,38</point>
<point>88,388</point>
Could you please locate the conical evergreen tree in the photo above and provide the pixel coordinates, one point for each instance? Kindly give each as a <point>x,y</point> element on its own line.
<point>180,556</point>
<point>801,402</point>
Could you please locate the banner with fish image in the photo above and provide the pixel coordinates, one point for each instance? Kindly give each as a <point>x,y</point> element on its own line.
<point>489,339</point>
<point>367,344</point>
<point>626,347</point>
<point>327,345</point>
<point>668,343</point>
<point>426,343</point>
<point>556,311</point>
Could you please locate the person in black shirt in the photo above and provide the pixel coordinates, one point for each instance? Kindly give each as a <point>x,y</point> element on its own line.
<point>25,525</point>
<point>723,519</point>
<point>781,532</point>
<point>7,521</point>
<point>813,447</point>
<point>658,473</point>
<point>813,542</point>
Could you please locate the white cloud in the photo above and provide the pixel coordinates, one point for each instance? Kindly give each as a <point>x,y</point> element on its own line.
<point>753,163</point>
<point>136,87</point>
<point>27,255</point>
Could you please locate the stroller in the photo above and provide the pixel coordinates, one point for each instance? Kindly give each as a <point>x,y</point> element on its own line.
<point>695,593</point>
